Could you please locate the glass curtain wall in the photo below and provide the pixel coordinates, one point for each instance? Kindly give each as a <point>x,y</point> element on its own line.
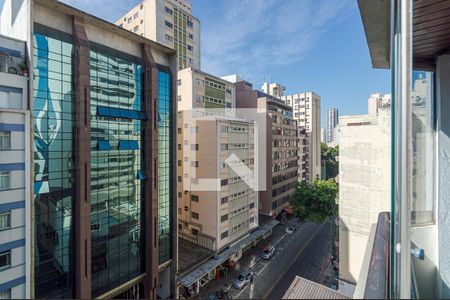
<point>53,164</point>
<point>165,170</point>
<point>116,215</point>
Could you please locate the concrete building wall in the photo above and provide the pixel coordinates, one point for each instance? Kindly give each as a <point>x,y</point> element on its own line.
<point>15,199</point>
<point>364,185</point>
<point>306,111</point>
<point>169,22</point>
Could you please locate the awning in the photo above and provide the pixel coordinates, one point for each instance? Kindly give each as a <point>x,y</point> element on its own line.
<point>195,275</point>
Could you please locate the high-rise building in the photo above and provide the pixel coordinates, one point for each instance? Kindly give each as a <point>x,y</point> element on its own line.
<point>332,121</point>
<point>282,156</point>
<point>225,208</point>
<point>306,111</point>
<point>274,89</point>
<point>323,135</point>
<point>364,185</point>
<point>377,101</point>
<point>103,150</point>
<point>15,168</point>
<point>168,22</point>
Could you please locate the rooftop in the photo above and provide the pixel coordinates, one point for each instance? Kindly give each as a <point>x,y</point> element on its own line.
<point>302,288</point>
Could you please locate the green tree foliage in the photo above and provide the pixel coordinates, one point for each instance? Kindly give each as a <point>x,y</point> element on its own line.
<point>329,159</point>
<point>315,202</point>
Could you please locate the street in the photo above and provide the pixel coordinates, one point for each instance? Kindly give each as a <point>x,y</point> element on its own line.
<point>306,252</point>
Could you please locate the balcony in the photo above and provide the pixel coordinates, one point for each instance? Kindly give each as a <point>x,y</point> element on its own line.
<point>12,62</point>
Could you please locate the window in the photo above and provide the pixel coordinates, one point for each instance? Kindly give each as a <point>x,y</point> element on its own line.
<point>190,48</point>
<point>178,98</point>
<point>5,220</point>
<point>194,164</point>
<point>224,182</point>
<point>179,178</point>
<point>168,24</point>
<point>129,20</point>
<point>179,132</point>
<point>194,129</point>
<point>224,235</point>
<point>252,205</point>
<point>191,36</point>
<point>136,15</point>
<point>180,194</point>
<point>169,38</point>
<point>190,24</point>
<point>252,219</point>
<point>5,140</point>
<point>223,147</point>
<point>194,198</point>
<point>121,25</point>
<point>194,147</point>
<point>179,163</point>
<point>5,259</point>
<point>194,215</point>
<point>224,200</point>
<point>6,294</point>
<point>179,81</point>
<point>136,29</point>
<point>168,10</point>
<point>179,146</point>
<point>224,218</point>
<point>95,226</point>
<point>5,180</point>
<point>142,6</point>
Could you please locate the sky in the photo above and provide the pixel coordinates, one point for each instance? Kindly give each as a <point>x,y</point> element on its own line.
<point>305,45</point>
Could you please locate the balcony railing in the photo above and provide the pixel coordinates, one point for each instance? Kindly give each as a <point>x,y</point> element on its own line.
<point>376,284</point>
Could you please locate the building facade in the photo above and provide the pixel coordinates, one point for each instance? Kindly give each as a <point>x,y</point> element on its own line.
<point>332,121</point>
<point>216,205</point>
<point>364,185</point>
<point>103,150</point>
<point>15,160</point>
<point>377,101</point>
<point>282,157</point>
<point>168,22</point>
<point>306,111</point>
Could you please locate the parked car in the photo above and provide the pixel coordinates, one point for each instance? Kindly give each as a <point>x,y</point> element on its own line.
<point>268,253</point>
<point>243,279</point>
<point>290,230</point>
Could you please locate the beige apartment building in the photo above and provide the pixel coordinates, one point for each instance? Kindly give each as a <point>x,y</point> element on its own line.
<point>281,157</point>
<point>364,185</point>
<point>169,22</point>
<point>306,111</point>
<point>216,204</point>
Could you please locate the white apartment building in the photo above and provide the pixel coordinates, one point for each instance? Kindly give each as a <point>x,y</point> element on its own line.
<point>377,101</point>
<point>364,185</point>
<point>216,206</point>
<point>15,189</point>
<point>332,121</point>
<point>306,111</point>
<point>168,22</point>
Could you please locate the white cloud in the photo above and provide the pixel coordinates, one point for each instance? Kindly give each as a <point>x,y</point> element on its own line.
<point>258,36</point>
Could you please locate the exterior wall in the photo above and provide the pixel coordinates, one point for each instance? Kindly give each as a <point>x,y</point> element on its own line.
<point>332,121</point>
<point>61,20</point>
<point>214,136</point>
<point>149,19</point>
<point>15,161</point>
<point>364,185</point>
<point>306,111</point>
<point>282,159</point>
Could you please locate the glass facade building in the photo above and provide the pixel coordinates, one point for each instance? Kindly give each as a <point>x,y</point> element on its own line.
<point>53,164</point>
<point>116,175</point>
<point>117,117</point>
<point>165,169</point>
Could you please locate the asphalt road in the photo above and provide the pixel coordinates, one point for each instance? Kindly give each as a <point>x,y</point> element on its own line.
<point>312,263</point>
<point>299,253</point>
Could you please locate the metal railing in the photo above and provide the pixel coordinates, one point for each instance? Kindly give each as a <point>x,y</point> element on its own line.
<point>12,63</point>
<point>200,239</point>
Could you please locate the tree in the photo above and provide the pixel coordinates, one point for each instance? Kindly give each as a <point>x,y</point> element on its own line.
<point>329,160</point>
<point>315,202</point>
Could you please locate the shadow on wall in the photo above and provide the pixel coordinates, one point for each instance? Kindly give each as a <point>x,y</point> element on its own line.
<point>344,260</point>
<point>16,5</point>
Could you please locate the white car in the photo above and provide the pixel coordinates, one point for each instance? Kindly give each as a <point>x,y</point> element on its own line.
<point>290,230</point>
<point>243,279</point>
<point>268,253</point>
